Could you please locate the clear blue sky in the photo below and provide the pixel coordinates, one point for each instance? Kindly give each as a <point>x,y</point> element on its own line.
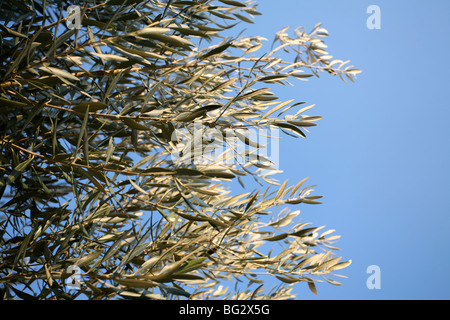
<point>381,155</point>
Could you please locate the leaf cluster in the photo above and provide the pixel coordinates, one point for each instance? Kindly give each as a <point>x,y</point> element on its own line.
<point>87,174</point>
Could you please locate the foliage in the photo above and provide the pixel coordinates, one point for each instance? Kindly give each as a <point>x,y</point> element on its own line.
<point>88,177</point>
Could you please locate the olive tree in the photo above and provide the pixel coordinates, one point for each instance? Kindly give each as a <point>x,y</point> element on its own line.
<point>126,127</point>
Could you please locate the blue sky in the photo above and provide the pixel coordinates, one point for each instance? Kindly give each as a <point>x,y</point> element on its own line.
<point>381,155</point>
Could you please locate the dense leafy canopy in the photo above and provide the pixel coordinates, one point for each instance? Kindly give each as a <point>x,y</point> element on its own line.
<point>97,125</point>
